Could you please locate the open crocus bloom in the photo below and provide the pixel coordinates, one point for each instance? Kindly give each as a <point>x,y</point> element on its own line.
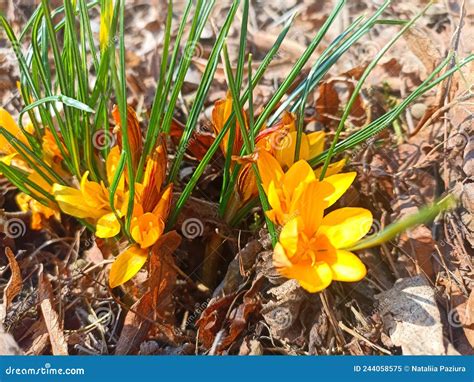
<point>91,201</point>
<point>311,247</point>
<point>40,211</point>
<point>285,189</point>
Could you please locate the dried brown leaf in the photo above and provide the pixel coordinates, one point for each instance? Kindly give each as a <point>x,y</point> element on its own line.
<point>51,319</point>
<point>15,283</point>
<point>465,317</point>
<point>136,326</point>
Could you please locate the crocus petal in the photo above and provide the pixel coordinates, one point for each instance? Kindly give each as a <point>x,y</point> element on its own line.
<point>298,175</point>
<point>274,201</point>
<point>346,266</point>
<point>7,159</point>
<point>246,183</point>
<point>289,237</point>
<point>333,168</point>
<point>71,201</point>
<point>153,178</point>
<point>269,169</point>
<point>111,165</point>
<point>162,209</point>
<point>345,226</point>
<point>340,183</point>
<point>9,124</point>
<point>316,143</point>
<point>107,226</point>
<point>94,194</point>
<point>134,133</point>
<point>220,114</point>
<point>286,147</point>
<point>147,229</point>
<point>280,260</point>
<point>313,278</point>
<point>127,265</point>
<point>310,207</point>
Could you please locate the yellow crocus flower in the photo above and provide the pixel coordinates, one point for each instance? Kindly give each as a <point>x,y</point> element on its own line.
<point>285,189</point>
<point>91,200</point>
<point>151,209</point>
<point>311,248</point>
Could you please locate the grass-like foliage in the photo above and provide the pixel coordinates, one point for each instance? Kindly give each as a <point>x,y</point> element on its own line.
<point>115,178</point>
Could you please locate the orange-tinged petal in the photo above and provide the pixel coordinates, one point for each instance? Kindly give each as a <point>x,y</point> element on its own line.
<point>316,143</point>
<point>310,208</point>
<point>147,229</point>
<point>296,179</point>
<point>37,179</point>
<point>333,168</point>
<point>345,226</point>
<point>340,184</point>
<point>347,267</point>
<point>50,147</point>
<point>107,226</point>
<point>271,215</point>
<point>162,209</point>
<point>313,278</point>
<point>220,114</point>
<point>247,183</point>
<point>269,169</point>
<point>288,120</point>
<point>127,265</point>
<point>134,133</point>
<point>153,178</point>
